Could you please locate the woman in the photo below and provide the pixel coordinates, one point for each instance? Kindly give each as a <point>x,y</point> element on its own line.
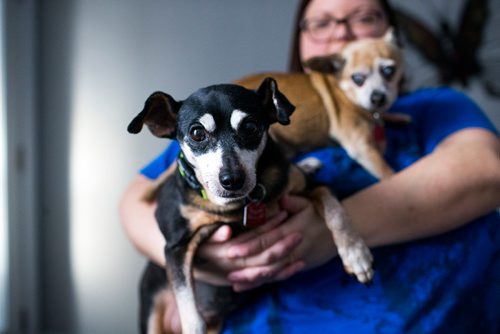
<point>432,226</point>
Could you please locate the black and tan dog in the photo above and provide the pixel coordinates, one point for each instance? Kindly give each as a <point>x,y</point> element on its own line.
<point>228,171</point>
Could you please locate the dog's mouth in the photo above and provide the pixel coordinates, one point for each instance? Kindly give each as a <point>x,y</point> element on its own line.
<point>227,198</point>
<point>257,193</point>
<point>235,195</point>
<point>223,196</point>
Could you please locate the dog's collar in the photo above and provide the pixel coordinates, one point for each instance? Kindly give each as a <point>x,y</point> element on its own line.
<point>378,129</point>
<point>187,173</point>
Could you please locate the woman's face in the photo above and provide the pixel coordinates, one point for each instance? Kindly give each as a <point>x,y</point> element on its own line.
<point>329,24</point>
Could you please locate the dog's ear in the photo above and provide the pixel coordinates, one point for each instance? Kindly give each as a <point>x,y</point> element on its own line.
<point>390,36</point>
<point>159,115</point>
<point>277,105</point>
<point>331,64</point>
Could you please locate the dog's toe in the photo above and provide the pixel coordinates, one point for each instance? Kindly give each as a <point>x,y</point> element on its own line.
<point>309,165</point>
<point>357,260</point>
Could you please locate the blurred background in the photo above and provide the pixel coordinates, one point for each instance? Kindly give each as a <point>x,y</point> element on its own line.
<point>73,74</point>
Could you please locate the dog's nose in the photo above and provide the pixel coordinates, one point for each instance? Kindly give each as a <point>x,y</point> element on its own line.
<point>232,180</point>
<point>378,99</point>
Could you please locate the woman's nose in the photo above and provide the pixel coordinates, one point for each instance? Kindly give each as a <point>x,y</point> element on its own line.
<point>341,31</point>
<point>339,37</point>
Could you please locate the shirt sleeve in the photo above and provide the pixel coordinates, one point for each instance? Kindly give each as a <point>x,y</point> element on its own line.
<point>162,162</point>
<point>448,111</point>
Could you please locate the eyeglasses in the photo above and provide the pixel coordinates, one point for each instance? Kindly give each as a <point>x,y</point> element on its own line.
<point>359,23</point>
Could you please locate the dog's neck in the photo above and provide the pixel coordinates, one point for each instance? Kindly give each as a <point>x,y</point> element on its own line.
<point>187,172</point>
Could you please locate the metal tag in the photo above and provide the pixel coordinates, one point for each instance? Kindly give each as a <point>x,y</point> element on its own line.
<point>254,214</point>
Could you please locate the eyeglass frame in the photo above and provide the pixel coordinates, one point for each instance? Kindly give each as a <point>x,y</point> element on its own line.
<point>303,25</point>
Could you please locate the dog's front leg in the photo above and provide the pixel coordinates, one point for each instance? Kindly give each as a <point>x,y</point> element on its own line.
<point>179,259</point>
<point>354,253</point>
<point>368,156</point>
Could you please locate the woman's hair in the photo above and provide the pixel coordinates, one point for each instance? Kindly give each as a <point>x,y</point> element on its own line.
<point>294,63</point>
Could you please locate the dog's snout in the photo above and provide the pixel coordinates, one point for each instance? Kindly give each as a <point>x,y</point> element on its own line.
<point>232,180</point>
<point>378,98</point>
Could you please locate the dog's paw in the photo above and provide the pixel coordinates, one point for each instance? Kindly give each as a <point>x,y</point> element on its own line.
<point>309,165</point>
<point>358,261</point>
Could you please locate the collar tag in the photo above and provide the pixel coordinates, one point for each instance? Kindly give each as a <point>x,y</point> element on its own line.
<point>254,212</point>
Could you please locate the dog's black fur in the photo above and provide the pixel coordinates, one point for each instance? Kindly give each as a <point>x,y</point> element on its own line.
<point>184,215</point>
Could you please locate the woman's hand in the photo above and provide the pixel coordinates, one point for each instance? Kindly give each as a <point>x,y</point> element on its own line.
<point>295,239</point>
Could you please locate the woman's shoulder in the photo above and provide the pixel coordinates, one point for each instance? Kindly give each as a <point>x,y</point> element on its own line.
<point>426,97</point>
<point>439,112</point>
<point>157,166</point>
<point>438,104</point>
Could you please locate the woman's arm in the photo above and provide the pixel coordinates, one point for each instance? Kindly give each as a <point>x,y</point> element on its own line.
<point>456,183</point>
<point>139,222</point>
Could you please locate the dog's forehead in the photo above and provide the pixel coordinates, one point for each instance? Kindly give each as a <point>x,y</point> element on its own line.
<point>219,108</point>
<point>222,99</point>
<point>365,52</point>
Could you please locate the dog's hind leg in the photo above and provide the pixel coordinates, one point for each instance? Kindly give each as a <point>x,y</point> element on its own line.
<point>155,319</point>
<point>179,269</point>
<point>354,253</point>
<point>153,302</point>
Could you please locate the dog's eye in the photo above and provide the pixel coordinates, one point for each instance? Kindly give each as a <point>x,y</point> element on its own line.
<point>388,71</point>
<point>249,127</point>
<point>358,78</point>
<point>197,133</point>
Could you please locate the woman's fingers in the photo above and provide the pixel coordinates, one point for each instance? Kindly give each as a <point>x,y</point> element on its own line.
<point>253,277</point>
<point>270,252</point>
<point>222,234</point>
<point>294,204</point>
<point>278,262</point>
<point>274,221</point>
<point>219,248</point>
<point>257,244</point>
<point>267,249</point>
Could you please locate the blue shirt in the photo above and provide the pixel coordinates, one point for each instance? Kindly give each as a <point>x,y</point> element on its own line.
<point>445,284</point>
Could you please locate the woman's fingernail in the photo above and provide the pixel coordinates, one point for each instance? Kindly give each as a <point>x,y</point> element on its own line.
<point>233,252</point>
<point>233,277</point>
<point>297,238</point>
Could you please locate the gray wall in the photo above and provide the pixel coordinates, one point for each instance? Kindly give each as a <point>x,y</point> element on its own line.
<point>80,75</point>
<point>99,62</point>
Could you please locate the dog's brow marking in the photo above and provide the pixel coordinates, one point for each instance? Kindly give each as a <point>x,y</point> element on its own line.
<point>236,118</point>
<point>384,61</point>
<point>208,122</point>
